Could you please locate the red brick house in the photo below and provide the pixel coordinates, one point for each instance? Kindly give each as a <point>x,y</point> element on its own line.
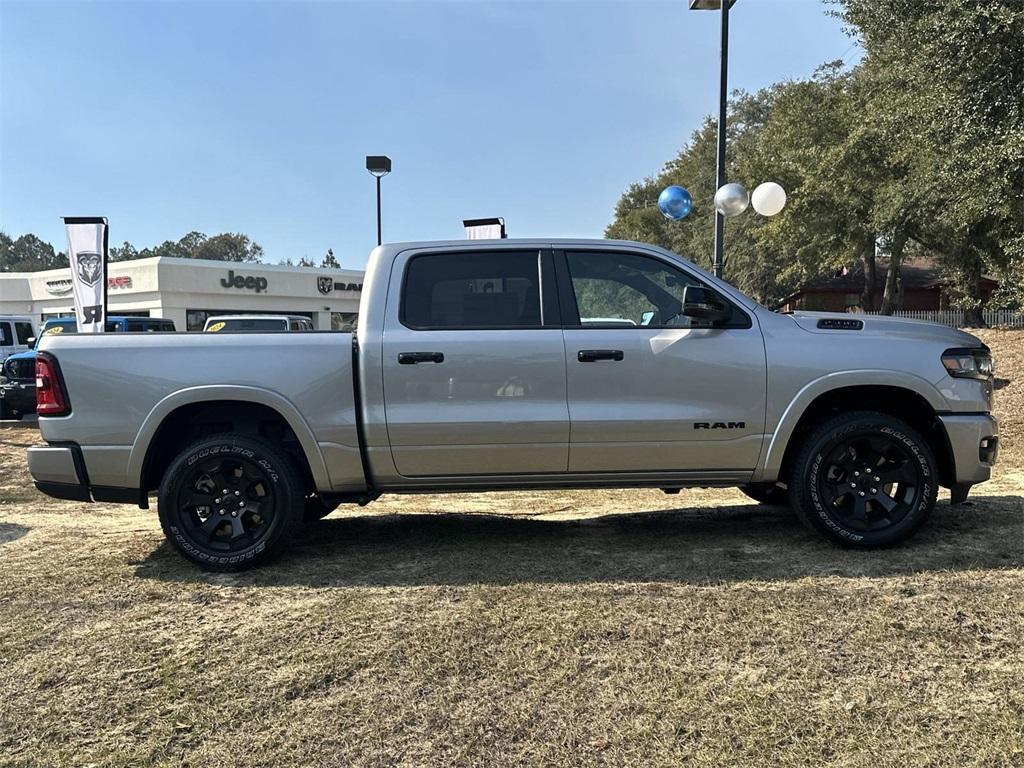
<point>920,279</point>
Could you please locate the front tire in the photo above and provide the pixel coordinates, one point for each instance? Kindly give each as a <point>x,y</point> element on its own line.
<point>864,480</point>
<point>230,502</point>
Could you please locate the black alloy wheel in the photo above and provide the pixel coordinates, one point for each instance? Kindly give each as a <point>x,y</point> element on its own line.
<point>865,479</point>
<point>230,502</point>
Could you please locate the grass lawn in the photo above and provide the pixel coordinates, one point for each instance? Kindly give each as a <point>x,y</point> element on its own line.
<point>618,628</point>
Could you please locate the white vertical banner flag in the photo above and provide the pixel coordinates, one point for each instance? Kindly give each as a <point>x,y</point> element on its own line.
<point>87,251</point>
<point>485,229</point>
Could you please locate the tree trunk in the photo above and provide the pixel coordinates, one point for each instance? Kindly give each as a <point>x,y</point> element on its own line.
<point>893,298</point>
<point>971,267</point>
<point>867,257</point>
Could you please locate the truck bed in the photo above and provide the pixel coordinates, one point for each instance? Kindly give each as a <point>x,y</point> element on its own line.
<point>122,386</point>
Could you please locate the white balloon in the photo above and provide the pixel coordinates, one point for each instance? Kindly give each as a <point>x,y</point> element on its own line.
<point>768,199</point>
<point>731,200</point>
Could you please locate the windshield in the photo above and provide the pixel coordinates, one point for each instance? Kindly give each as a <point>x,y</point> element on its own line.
<point>246,325</point>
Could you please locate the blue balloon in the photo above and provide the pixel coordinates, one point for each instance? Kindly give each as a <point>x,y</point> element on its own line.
<point>675,203</point>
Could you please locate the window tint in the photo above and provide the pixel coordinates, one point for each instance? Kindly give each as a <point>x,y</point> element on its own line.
<point>6,337</point>
<point>623,290</point>
<point>495,289</point>
<point>254,325</point>
<point>24,331</point>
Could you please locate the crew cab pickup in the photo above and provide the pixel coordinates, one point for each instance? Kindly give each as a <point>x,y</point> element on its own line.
<point>519,364</point>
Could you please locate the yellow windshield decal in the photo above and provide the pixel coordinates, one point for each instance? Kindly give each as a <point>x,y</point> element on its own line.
<point>215,327</point>
<point>51,331</point>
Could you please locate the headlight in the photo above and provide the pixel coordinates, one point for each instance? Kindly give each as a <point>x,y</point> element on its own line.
<point>968,363</point>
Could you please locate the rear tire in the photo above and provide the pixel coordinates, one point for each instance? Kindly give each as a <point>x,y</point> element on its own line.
<point>230,502</point>
<point>864,480</point>
<point>767,493</point>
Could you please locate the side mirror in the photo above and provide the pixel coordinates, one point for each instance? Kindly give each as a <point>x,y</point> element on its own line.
<point>31,341</point>
<point>704,304</point>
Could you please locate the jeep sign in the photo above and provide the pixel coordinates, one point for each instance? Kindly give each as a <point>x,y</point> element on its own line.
<point>253,283</point>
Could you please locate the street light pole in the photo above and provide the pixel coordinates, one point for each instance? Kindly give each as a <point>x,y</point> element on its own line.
<point>723,103</point>
<point>723,96</point>
<point>379,238</point>
<point>378,166</point>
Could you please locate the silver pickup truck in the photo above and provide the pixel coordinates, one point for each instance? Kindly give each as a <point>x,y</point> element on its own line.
<point>484,365</point>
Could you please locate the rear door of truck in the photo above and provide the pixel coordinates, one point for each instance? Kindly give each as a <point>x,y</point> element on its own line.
<point>474,363</point>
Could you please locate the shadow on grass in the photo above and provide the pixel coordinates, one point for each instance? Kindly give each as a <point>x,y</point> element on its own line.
<point>12,531</point>
<point>697,545</point>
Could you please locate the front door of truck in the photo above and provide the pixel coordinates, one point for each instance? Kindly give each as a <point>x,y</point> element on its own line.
<point>474,365</point>
<point>650,389</point>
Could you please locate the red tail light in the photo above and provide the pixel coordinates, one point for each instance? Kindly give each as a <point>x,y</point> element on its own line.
<point>51,399</point>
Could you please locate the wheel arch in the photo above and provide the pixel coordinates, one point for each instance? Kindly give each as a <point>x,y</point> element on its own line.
<point>235,402</point>
<point>905,397</point>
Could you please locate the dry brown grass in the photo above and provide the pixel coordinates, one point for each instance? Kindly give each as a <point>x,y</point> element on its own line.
<point>532,629</point>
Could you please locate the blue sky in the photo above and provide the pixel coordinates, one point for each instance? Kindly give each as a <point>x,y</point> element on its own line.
<point>256,116</point>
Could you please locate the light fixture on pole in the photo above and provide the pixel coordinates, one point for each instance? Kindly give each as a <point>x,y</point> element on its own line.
<point>378,166</point>
<point>723,98</point>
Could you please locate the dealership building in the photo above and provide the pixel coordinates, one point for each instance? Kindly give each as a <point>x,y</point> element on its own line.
<point>188,291</point>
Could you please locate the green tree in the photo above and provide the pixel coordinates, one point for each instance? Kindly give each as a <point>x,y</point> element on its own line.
<point>28,254</point>
<point>827,159</point>
<point>330,260</point>
<point>228,247</point>
<point>946,81</point>
<point>767,139</point>
<point>125,252</point>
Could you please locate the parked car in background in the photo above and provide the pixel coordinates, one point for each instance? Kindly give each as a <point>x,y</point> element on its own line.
<point>18,372</point>
<point>256,323</point>
<point>17,333</point>
<point>473,370</point>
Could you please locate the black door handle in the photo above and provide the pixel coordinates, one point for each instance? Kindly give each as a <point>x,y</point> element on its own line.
<point>592,355</point>
<point>411,358</point>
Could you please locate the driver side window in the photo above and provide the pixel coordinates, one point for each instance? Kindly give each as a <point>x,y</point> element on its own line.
<point>624,290</point>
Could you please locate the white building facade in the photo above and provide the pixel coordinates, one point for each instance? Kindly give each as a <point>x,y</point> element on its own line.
<point>188,291</point>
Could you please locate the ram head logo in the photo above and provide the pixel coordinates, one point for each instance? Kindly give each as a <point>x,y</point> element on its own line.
<point>90,266</point>
<point>325,284</point>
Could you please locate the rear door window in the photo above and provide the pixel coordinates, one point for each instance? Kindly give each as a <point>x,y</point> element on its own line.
<point>6,337</point>
<point>472,289</point>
